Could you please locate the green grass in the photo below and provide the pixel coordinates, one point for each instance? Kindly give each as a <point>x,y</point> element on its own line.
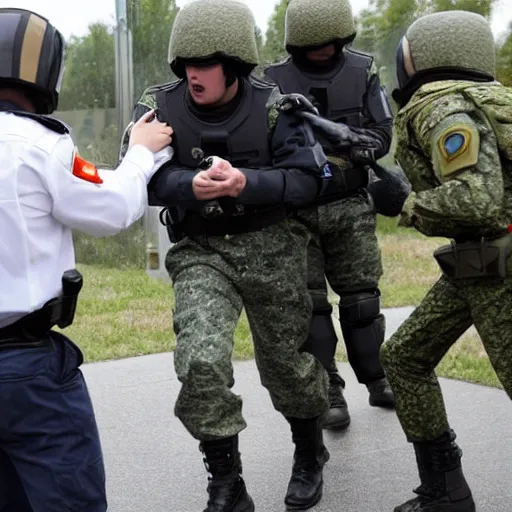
<point>124,313</point>
<point>467,361</point>
<point>409,268</point>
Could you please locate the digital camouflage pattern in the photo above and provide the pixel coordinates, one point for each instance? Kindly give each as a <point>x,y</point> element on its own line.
<point>411,355</point>
<point>311,23</point>
<point>344,248</point>
<point>205,27</point>
<point>473,202</point>
<point>454,39</point>
<point>213,279</point>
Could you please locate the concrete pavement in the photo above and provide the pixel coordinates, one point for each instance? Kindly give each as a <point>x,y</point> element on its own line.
<point>153,465</point>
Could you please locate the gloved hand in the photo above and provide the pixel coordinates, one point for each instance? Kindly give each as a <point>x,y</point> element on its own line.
<point>294,103</point>
<point>338,135</point>
<point>365,156</point>
<point>390,191</point>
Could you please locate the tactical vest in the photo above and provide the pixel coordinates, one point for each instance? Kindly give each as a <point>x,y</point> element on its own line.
<point>242,139</point>
<point>344,89</point>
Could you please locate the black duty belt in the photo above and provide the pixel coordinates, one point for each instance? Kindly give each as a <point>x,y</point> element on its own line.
<point>30,330</point>
<point>485,258</point>
<point>195,224</point>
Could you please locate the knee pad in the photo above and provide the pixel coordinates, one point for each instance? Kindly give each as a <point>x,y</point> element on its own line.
<point>322,339</point>
<point>360,308</point>
<point>363,328</point>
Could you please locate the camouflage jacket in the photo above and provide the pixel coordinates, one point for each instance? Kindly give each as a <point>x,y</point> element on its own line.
<point>454,142</point>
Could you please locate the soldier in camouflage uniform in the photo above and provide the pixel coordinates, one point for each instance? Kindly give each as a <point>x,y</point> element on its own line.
<point>454,142</point>
<point>356,121</point>
<point>236,246</point>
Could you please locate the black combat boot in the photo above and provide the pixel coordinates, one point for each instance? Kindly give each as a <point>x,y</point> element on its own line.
<point>381,394</point>
<point>226,487</point>
<point>443,486</point>
<point>337,416</point>
<point>306,483</point>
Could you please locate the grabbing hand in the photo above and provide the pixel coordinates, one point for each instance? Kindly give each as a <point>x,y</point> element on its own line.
<point>295,102</point>
<point>220,180</point>
<point>338,134</point>
<point>151,133</point>
<point>204,187</point>
<point>231,180</point>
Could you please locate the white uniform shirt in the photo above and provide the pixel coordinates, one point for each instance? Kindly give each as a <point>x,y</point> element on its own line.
<point>41,200</point>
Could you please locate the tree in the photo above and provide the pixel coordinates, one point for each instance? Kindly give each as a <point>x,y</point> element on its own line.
<point>380,28</point>
<point>89,79</point>
<point>274,50</point>
<point>482,7</point>
<point>504,59</point>
<point>151,22</point>
<point>382,25</point>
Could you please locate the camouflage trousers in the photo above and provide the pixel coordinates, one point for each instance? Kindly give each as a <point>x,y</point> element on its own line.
<point>343,248</point>
<point>213,279</point>
<point>411,355</point>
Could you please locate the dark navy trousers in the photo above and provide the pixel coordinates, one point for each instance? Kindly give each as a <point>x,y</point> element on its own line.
<point>50,451</point>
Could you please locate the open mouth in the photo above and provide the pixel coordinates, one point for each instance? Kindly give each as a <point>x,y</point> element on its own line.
<point>198,88</point>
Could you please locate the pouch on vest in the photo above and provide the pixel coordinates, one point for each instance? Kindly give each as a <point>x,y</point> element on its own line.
<point>486,258</point>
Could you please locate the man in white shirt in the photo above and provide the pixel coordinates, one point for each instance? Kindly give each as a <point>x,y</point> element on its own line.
<point>50,452</point>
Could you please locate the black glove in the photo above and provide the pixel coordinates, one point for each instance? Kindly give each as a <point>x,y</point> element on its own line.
<point>361,147</point>
<point>338,135</point>
<point>295,103</point>
<point>390,191</point>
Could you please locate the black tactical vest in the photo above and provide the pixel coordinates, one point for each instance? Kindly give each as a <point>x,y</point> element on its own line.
<point>242,139</point>
<point>343,89</point>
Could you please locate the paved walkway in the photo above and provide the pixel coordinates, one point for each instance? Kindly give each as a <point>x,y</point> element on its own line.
<point>153,465</point>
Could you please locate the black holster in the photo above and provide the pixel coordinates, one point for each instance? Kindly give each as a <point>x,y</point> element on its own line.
<point>170,218</point>
<point>485,258</point>
<point>30,329</point>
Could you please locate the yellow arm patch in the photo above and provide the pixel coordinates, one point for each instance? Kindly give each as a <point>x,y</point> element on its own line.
<point>455,146</point>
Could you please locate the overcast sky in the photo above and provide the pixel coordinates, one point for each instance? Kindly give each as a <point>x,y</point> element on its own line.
<point>73,16</point>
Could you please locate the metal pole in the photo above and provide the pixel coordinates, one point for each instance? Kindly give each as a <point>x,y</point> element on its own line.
<point>124,67</point>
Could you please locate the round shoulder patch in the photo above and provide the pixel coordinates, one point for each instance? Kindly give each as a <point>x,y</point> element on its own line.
<point>455,146</point>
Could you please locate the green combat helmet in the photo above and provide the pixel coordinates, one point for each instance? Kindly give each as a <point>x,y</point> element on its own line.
<point>214,30</point>
<point>447,42</point>
<point>310,23</point>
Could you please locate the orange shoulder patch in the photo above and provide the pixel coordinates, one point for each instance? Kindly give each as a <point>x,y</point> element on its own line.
<point>85,170</point>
